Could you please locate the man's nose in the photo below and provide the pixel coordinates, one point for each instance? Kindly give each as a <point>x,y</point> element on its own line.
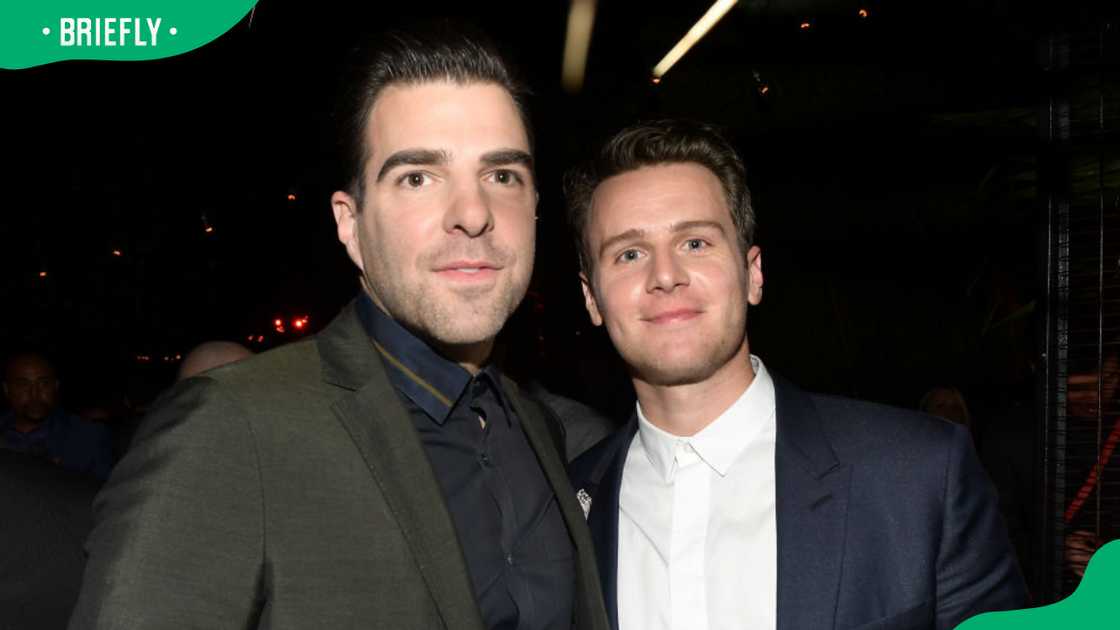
<point>666,273</point>
<point>469,211</point>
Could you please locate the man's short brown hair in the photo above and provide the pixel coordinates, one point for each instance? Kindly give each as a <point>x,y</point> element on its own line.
<point>651,144</point>
<point>425,52</point>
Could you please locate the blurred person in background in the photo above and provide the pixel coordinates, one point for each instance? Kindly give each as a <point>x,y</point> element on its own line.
<point>1092,398</point>
<point>946,403</point>
<point>209,355</point>
<point>37,424</point>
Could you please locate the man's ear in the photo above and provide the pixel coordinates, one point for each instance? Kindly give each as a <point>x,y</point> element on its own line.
<point>346,217</point>
<point>589,300</point>
<point>754,275</point>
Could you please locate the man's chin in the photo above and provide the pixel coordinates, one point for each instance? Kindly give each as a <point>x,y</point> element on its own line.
<point>463,339</point>
<point>470,329</point>
<point>663,374</point>
<point>468,321</point>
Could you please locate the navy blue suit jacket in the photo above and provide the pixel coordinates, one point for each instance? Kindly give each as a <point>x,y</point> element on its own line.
<point>885,518</point>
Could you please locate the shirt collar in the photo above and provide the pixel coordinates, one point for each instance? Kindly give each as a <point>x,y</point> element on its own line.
<point>720,443</point>
<point>414,368</point>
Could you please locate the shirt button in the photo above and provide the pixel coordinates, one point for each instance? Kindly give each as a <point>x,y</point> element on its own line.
<point>509,559</point>
<point>485,459</point>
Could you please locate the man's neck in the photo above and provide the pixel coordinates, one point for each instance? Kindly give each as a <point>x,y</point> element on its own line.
<point>685,410</point>
<point>472,357</point>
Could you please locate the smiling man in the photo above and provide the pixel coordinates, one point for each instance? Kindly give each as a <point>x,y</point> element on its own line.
<point>383,474</point>
<point>733,499</point>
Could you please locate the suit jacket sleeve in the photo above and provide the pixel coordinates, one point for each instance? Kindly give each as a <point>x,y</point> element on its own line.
<point>178,539</point>
<point>976,567</point>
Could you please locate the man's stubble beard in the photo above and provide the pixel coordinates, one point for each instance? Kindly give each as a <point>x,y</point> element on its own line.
<point>707,360</point>
<point>443,315</point>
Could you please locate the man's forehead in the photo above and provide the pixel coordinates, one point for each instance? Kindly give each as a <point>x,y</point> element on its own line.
<point>690,175</point>
<point>660,196</point>
<point>457,118</point>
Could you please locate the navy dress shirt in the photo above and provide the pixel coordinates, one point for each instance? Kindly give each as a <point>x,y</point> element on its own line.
<point>76,445</point>
<point>516,545</point>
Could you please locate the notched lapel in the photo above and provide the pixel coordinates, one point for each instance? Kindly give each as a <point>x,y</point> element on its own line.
<point>589,615</point>
<point>383,433</point>
<point>811,517</point>
<point>812,489</point>
<point>540,438</point>
<point>605,485</point>
<point>376,421</point>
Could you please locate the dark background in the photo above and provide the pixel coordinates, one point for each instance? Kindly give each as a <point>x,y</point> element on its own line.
<point>893,162</point>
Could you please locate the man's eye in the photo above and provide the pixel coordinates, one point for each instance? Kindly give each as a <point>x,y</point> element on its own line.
<point>695,243</point>
<point>506,177</point>
<point>629,255</point>
<point>414,180</point>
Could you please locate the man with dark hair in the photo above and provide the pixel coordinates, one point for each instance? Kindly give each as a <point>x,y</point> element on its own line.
<point>454,52</point>
<point>384,473</point>
<point>37,424</point>
<point>733,499</point>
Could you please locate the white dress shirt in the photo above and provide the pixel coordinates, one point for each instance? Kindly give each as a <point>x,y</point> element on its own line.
<point>697,534</point>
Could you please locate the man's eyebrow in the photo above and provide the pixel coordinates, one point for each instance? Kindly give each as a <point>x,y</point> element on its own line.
<point>692,225</point>
<point>507,156</point>
<point>414,157</point>
<point>628,235</point>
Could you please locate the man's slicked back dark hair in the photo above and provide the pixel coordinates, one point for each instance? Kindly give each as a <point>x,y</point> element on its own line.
<point>424,53</point>
<point>655,143</point>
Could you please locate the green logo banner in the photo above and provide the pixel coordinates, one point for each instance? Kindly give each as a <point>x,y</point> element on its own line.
<point>1092,605</point>
<point>37,32</point>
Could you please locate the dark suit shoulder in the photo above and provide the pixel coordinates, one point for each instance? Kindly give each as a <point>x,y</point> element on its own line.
<point>189,493</point>
<point>894,453</point>
<point>285,378</point>
<point>271,394</point>
<point>583,426</point>
<point>859,430</point>
<point>288,364</point>
<point>588,469</point>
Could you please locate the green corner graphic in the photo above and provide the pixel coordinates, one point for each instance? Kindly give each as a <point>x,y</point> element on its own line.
<point>1090,606</point>
<point>37,32</point>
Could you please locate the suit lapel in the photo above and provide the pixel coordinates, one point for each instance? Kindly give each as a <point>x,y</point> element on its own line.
<point>379,426</point>
<point>589,602</point>
<point>812,502</point>
<point>605,490</point>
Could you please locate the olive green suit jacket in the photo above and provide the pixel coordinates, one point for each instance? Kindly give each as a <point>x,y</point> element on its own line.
<point>291,490</point>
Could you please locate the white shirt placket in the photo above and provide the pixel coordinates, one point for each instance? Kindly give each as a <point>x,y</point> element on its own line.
<point>691,510</point>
